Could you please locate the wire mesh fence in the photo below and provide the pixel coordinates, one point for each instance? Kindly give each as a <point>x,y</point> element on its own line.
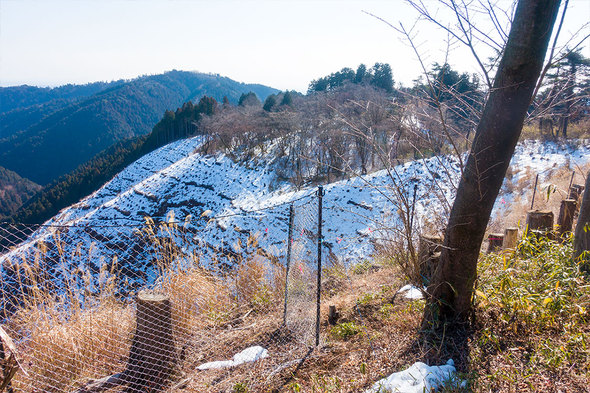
<point>141,306</point>
<point>128,306</point>
<point>302,271</point>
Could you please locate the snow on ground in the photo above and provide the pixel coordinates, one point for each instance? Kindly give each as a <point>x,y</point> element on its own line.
<point>221,204</point>
<point>248,355</point>
<point>418,378</point>
<point>411,292</point>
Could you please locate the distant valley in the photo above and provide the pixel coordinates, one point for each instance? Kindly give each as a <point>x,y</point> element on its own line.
<point>43,136</point>
<point>47,133</point>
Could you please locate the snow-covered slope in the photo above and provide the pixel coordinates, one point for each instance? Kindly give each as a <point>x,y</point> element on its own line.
<point>221,206</point>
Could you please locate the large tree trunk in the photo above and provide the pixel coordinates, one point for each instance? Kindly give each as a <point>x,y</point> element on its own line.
<point>494,143</point>
<point>582,234</point>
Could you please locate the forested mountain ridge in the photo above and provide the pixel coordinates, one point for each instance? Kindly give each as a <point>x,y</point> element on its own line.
<point>78,129</point>
<point>93,174</point>
<point>23,96</point>
<point>14,190</point>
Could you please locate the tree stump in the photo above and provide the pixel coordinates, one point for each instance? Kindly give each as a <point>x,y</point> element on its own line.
<point>575,192</point>
<point>333,315</point>
<point>495,242</point>
<point>539,224</point>
<point>152,357</point>
<point>565,219</point>
<point>428,246</point>
<point>510,238</point>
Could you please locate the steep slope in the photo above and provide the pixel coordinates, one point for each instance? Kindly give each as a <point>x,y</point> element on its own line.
<point>223,210</point>
<point>80,129</point>
<point>85,179</point>
<point>14,190</point>
<point>93,174</point>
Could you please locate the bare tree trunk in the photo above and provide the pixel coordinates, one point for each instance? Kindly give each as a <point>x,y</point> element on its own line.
<point>494,143</point>
<point>582,234</point>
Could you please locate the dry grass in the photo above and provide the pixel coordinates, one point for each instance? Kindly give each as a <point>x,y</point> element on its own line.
<point>578,130</point>
<point>378,333</point>
<point>61,343</point>
<point>551,190</point>
<point>520,343</point>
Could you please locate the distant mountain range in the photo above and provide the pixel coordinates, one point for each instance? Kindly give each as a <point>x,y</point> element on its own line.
<point>46,133</point>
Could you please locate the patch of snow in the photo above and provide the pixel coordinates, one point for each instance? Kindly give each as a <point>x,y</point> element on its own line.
<point>418,378</point>
<point>248,355</point>
<point>411,292</point>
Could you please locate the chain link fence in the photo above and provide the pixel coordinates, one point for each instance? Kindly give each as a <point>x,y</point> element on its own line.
<point>134,306</point>
<point>131,306</point>
<point>302,271</point>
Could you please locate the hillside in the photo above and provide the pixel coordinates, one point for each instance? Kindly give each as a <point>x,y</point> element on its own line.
<point>24,96</point>
<point>14,191</point>
<point>224,203</point>
<point>79,127</point>
<point>210,213</point>
<point>93,174</point>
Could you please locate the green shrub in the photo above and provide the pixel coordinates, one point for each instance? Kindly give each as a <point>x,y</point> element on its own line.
<point>345,330</point>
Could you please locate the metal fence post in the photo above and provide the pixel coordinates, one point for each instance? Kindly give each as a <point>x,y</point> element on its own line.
<point>319,285</point>
<point>289,244</point>
<point>534,191</point>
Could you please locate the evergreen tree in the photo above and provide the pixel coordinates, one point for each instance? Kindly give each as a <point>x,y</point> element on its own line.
<point>287,99</point>
<point>206,106</point>
<point>382,77</point>
<point>361,74</point>
<point>269,103</point>
<point>248,99</point>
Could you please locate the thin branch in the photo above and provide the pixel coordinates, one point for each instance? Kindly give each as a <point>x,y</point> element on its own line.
<point>550,61</point>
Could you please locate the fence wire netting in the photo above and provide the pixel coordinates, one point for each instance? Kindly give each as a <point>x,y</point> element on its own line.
<point>129,306</point>
<point>302,270</point>
<point>177,303</point>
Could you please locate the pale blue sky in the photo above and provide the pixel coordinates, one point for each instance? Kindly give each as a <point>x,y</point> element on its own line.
<point>283,44</point>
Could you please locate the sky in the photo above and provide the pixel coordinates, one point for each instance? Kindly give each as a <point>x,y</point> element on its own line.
<point>283,44</point>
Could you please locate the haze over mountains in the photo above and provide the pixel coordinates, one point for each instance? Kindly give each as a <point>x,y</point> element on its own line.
<point>46,133</point>
<point>73,123</point>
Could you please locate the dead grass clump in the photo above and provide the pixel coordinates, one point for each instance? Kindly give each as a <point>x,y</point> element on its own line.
<point>258,284</point>
<point>199,300</point>
<point>551,190</point>
<point>576,130</point>
<point>58,353</point>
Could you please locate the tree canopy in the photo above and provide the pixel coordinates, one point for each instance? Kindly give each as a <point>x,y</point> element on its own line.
<point>380,76</point>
